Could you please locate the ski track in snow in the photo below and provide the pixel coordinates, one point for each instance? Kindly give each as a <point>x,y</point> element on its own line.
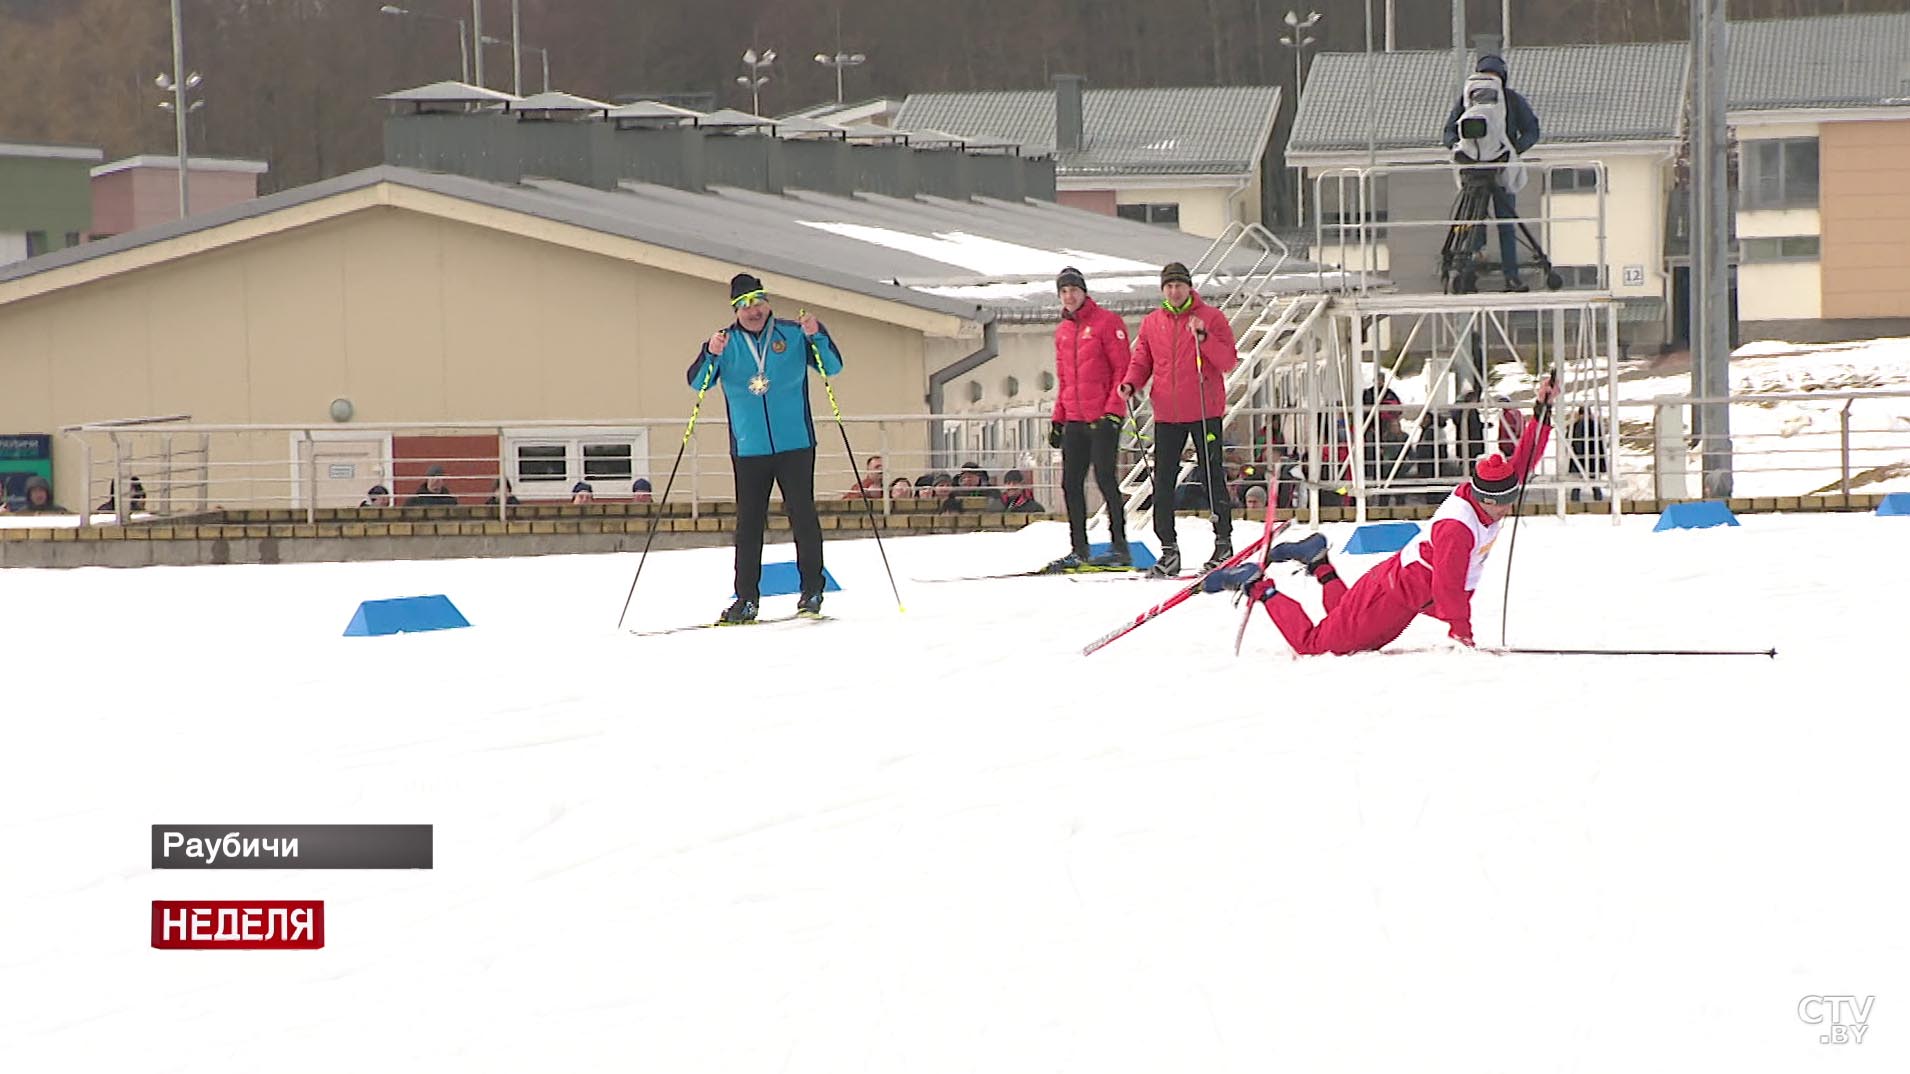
<point>943,840</point>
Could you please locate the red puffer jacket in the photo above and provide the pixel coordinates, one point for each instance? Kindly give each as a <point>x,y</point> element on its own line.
<point>1184,390</point>
<point>1090,357</point>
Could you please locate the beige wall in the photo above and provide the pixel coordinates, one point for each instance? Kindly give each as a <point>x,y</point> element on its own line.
<point>1203,210</point>
<point>411,317</point>
<point>1779,291</point>
<point>1765,223</point>
<point>1864,169</point>
<point>1634,224</point>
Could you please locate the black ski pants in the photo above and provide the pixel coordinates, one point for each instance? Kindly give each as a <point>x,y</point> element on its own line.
<point>794,472</point>
<point>1085,444</point>
<point>1170,437</point>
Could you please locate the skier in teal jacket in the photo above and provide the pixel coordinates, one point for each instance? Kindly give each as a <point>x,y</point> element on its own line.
<point>763,363</point>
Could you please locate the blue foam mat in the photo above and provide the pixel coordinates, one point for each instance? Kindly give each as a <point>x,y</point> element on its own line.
<point>1381,537</point>
<point>784,580</point>
<point>1698,515</point>
<point>1144,556</point>
<point>405,615</point>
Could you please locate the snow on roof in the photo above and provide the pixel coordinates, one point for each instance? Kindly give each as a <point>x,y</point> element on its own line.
<point>993,257</point>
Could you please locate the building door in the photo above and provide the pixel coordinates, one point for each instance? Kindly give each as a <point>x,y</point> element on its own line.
<point>341,469</point>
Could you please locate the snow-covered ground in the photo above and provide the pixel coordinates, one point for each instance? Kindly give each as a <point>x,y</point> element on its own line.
<point>943,840</point>
<point>1794,447</point>
<point>1787,447</point>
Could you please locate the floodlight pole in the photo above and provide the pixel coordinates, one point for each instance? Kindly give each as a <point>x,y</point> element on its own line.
<point>477,32</point>
<point>1372,103</point>
<point>1459,43</point>
<point>179,104</point>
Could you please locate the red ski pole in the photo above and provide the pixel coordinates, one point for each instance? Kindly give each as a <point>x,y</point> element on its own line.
<point>1180,595</point>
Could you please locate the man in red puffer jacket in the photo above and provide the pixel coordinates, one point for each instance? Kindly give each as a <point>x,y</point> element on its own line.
<point>1090,357</point>
<point>1187,347</point>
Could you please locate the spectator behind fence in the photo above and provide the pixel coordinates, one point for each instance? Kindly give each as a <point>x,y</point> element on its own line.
<point>39,499</point>
<point>376,496</point>
<point>432,492</point>
<point>1589,459</point>
<point>901,489</point>
<point>1256,498</point>
<point>1383,408</point>
<point>971,491</point>
<point>509,498</point>
<point>1251,477</point>
<point>581,492</point>
<point>953,498</point>
<point>134,503</point>
<point>871,486</point>
<point>1469,430</point>
<point>640,491</point>
<point>1017,497</point>
<point>1511,425</point>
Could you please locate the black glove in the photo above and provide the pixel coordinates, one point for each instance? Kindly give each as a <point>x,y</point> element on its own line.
<point>1542,402</point>
<point>1054,434</point>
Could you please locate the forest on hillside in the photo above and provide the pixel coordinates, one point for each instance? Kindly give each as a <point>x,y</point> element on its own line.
<point>294,82</point>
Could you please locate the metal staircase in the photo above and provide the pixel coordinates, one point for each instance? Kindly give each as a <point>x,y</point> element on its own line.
<point>1240,272</point>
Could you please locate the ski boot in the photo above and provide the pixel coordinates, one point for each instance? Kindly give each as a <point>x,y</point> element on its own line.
<point>1167,565</point>
<point>810,606</point>
<point>1309,552</point>
<point>1238,576</point>
<point>1223,551</point>
<point>741,613</point>
<point>1073,561</point>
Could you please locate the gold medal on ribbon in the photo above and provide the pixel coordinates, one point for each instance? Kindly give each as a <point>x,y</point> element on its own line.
<point>759,384</point>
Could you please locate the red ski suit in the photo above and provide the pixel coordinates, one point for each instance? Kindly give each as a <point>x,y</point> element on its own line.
<point>1434,575</point>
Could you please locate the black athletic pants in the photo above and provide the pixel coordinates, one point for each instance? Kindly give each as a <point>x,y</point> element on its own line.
<point>1169,438</point>
<point>1085,444</point>
<point>794,472</point>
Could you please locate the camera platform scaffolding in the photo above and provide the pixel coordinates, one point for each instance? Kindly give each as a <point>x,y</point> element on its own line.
<point>1473,222</point>
<point>1313,338</point>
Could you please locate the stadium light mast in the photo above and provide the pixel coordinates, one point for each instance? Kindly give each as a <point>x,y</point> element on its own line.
<point>1297,38</point>
<point>177,84</point>
<point>756,80</point>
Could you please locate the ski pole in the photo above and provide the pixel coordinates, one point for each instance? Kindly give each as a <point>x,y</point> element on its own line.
<point>1541,416</point>
<point>875,525</point>
<point>1771,653</point>
<point>1209,443</point>
<point>1180,596</point>
<point>656,510</point>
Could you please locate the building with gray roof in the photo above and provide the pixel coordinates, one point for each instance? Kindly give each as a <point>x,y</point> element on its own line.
<point>1194,156</point>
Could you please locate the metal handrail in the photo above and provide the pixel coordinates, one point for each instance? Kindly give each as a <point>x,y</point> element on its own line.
<point>1844,442</point>
<point>1367,231</point>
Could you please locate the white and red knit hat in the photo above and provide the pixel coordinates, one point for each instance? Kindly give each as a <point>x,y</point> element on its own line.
<point>1494,480</point>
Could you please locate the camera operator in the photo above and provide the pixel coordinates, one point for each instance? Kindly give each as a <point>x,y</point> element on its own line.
<point>1512,130</point>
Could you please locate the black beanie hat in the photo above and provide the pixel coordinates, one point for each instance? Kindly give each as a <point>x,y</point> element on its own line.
<point>1070,277</point>
<point>743,283</point>
<point>1175,272</point>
